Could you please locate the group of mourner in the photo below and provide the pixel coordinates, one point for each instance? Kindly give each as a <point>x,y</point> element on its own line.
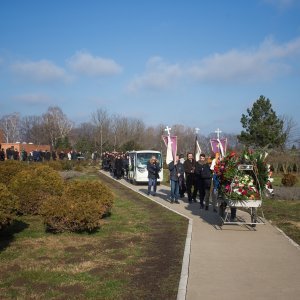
<point>38,155</point>
<point>188,176</point>
<point>194,178</point>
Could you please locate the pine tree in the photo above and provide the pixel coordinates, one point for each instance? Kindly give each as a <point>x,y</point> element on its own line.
<point>263,129</point>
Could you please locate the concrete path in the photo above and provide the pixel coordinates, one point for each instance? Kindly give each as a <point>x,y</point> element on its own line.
<point>235,262</point>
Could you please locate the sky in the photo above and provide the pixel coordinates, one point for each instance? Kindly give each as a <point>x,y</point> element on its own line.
<point>199,63</point>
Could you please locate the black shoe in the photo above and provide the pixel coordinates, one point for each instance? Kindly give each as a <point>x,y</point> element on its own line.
<point>176,201</point>
<point>206,207</point>
<point>201,206</point>
<point>214,210</point>
<point>194,200</point>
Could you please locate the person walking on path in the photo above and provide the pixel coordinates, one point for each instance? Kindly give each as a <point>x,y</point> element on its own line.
<point>203,178</point>
<point>153,169</point>
<point>176,171</point>
<point>215,182</point>
<point>189,169</point>
<point>181,179</point>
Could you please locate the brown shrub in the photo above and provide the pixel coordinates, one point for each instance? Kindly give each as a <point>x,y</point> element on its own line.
<point>289,179</point>
<point>8,206</point>
<point>80,208</point>
<point>34,185</point>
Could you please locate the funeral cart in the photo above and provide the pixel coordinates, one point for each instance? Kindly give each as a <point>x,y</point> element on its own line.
<point>244,194</point>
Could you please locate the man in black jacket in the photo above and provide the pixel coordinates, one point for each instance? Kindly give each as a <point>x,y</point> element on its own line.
<point>203,178</point>
<point>189,169</point>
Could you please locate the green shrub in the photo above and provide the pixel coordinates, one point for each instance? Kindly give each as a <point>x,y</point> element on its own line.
<point>78,167</point>
<point>34,185</point>
<point>9,169</point>
<point>54,164</point>
<point>67,165</point>
<point>8,206</point>
<point>80,208</point>
<point>289,179</point>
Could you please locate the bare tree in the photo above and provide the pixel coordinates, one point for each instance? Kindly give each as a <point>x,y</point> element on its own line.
<point>101,121</point>
<point>32,130</point>
<point>56,124</point>
<point>10,126</point>
<point>291,131</point>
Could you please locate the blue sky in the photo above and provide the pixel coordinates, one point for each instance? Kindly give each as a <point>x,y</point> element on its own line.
<point>197,63</point>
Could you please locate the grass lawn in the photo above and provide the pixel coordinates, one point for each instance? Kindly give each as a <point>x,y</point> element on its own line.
<point>136,254</point>
<point>285,214</point>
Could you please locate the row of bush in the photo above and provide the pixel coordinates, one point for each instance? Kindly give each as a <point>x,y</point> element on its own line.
<point>39,189</point>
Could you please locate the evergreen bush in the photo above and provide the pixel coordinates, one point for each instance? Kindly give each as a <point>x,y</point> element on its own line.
<point>54,164</point>
<point>9,169</point>
<point>80,208</point>
<point>34,185</point>
<point>8,206</point>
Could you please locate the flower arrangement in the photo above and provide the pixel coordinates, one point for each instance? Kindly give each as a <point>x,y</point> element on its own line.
<point>242,184</point>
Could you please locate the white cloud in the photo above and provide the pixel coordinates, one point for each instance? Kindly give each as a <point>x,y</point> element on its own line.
<point>86,64</point>
<point>33,99</point>
<point>158,75</point>
<point>264,63</point>
<point>281,4</point>
<point>39,71</point>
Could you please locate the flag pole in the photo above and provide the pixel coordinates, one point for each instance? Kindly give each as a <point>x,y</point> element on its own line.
<point>169,155</point>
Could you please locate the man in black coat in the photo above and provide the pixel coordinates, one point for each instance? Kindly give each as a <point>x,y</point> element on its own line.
<point>203,178</point>
<point>189,169</point>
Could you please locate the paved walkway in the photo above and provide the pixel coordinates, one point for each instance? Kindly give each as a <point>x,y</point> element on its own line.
<point>234,262</point>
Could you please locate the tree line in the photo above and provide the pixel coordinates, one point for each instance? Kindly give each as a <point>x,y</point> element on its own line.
<point>262,128</point>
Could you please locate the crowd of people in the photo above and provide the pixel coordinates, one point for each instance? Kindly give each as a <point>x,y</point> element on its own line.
<point>38,155</point>
<point>194,178</point>
<point>187,176</point>
<point>117,163</point>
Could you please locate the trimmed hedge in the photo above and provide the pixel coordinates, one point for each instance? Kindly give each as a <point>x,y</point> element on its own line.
<point>8,206</point>
<point>34,185</point>
<point>80,208</point>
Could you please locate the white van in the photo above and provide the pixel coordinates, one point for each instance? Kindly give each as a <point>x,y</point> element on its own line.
<point>138,165</point>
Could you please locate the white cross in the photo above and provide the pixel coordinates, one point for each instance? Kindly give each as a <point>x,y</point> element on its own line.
<point>197,130</point>
<point>218,131</point>
<point>168,129</point>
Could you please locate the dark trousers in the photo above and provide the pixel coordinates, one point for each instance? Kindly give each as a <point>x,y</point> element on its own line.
<point>182,187</point>
<point>191,184</point>
<point>201,189</point>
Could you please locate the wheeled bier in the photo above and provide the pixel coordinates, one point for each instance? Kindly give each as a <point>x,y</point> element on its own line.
<point>250,205</point>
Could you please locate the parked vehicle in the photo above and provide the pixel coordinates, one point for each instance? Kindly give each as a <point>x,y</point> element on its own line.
<point>138,165</point>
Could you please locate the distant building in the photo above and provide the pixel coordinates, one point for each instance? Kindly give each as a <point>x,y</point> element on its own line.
<point>28,147</point>
<point>24,146</point>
